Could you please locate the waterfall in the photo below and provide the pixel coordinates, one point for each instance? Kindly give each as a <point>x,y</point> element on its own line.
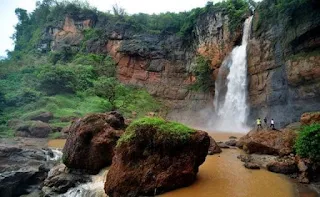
<point>90,189</point>
<point>230,100</point>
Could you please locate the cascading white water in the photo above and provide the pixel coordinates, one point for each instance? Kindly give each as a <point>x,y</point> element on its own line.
<point>232,109</point>
<point>95,188</point>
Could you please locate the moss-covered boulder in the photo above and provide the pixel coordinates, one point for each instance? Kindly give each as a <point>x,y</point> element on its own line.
<point>91,141</point>
<point>154,156</point>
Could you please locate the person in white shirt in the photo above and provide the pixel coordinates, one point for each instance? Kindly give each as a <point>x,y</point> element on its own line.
<point>272,124</point>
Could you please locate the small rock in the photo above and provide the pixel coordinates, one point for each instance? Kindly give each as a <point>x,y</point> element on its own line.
<point>214,147</point>
<point>302,166</point>
<point>244,158</point>
<point>231,142</point>
<point>223,145</point>
<point>251,165</point>
<point>303,178</point>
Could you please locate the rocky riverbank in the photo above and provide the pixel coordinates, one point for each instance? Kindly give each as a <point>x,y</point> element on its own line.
<point>24,165</point>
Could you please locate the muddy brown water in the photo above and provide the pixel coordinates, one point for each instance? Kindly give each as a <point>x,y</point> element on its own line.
<point>56,143</point>
<point>223,175</point>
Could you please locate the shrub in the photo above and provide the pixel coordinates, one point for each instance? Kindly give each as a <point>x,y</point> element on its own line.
<point>203,73</point>
<point>102,65</point>
<point>308,142</point>
<point>21,97</point>
<point>65,78</point>
<point>56,79</point>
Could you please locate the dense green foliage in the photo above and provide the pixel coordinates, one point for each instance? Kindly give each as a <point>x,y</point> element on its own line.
<point>70,89</point>
<point>308,142</point>
<point>270,11</point>
<point>183,23</point>
<point>72,81</point>
<point>203,73</point>
<point>166,130</point>
<point>50,13</point>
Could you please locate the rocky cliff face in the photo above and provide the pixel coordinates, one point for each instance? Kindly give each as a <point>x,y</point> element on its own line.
<point>284,66</point>
<point>159,62</point>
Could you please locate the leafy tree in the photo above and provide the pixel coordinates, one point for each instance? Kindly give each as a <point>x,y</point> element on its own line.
<point>107,88</point>
<point>118,11</point>
<point>57,79</point>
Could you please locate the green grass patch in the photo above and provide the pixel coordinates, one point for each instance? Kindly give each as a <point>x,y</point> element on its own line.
<point>6,132</point>
<point>308,142</point>
<point>55,135</point>
<point>166,130</point>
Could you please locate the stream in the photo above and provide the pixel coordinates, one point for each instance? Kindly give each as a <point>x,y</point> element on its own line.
<point>220,175</point>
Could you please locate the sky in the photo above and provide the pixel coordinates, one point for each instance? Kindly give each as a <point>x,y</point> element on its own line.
<point>8,18</point>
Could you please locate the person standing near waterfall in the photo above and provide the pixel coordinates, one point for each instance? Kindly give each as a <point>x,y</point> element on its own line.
<point>265,121</point>
<point>272,124</point>
<point>259,124</point>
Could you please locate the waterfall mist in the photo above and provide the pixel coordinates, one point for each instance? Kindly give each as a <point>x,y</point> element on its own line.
<point>230,102</point>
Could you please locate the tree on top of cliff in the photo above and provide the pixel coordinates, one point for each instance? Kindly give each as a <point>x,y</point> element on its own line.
<point>273,12</point>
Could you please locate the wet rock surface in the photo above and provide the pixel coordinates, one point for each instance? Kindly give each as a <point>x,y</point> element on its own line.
<point>60,179</point>
<point>91,141</point>
<point>214,147</point>
<point>146,165</point>
<point>22,169</point>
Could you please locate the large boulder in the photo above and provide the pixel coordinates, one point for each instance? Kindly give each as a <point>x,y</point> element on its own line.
<point>271,142</point>
<point>36,129</point>
<point>91,141</point>
<point>43,116</point>
<point>214,147</point>
<point>155,156</point>
<point>310,117</point>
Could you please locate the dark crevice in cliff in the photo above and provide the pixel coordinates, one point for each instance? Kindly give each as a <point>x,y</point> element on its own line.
<point>307,42</point>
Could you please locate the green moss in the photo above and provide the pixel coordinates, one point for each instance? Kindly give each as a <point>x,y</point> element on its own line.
<point>166,130</point>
